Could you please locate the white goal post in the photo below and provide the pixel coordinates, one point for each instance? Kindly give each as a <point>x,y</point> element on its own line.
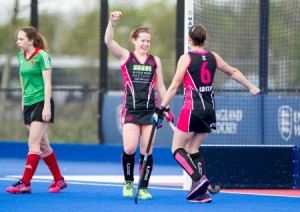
<point>188,22</point>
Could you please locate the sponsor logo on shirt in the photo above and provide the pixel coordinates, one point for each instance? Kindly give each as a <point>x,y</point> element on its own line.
<point>141,68</point>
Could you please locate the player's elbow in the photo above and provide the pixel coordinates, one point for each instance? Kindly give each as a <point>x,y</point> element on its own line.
<point>107,42</point>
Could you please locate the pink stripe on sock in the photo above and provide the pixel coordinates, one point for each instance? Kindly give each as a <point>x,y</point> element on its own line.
<point>184,164</point>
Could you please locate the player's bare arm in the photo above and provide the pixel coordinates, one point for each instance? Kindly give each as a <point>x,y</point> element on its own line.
<point>159,85</point>
<point>48,92</point>
<point>177,80</point>
<point>118,51</point>
<point>235,74</point>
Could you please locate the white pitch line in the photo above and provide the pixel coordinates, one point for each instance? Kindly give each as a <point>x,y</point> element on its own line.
<point>155,179</point>
<point>71,179</point>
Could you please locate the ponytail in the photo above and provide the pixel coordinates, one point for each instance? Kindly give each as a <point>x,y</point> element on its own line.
<point>38,39</point>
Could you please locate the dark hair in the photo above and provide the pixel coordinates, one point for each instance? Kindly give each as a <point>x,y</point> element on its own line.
<point>135,33</point>
<point>198,34</point>
<point>38,39</point>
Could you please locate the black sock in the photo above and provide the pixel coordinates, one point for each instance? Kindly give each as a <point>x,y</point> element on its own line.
<point>128,166</point>
<point>186,162</point>
<point>148,170</point>
<point>199,162</point>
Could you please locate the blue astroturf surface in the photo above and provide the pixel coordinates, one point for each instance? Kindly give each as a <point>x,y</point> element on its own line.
<point>87,191</point>
<point>95,182</point>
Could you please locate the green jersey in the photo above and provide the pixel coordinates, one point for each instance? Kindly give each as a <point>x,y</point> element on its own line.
<point>32,81</point>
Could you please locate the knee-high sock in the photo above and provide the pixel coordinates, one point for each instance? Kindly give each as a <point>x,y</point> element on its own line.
<point>148,170</point>
<point>51,162</point>
<point>199,162</point>
<point>128,166</point>
<point>186,162</point>
<point>32,162</point>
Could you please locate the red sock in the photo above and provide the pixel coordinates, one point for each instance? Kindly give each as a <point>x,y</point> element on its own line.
<point>32,162</point>
<point>51,162</point>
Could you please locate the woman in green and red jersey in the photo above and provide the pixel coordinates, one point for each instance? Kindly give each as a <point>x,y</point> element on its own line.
<point>37,107</point>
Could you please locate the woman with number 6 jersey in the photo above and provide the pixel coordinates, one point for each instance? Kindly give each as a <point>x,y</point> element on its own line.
<point>196,70</point>
<point>37,107</point>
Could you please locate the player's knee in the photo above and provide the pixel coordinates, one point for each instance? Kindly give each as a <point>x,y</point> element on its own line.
<point>35,150</point>
<point>129,150</point>
<point>46,151</point>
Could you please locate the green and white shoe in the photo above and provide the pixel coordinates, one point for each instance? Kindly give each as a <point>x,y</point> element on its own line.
<point>128,189</point>
<point>144,194</point>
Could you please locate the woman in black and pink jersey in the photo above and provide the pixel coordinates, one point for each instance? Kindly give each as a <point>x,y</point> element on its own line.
<point>142,78</point>
<point>196,71</point>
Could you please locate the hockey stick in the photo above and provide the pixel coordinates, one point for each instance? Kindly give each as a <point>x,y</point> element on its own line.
<point>144,163</point>
<point>211,189</point>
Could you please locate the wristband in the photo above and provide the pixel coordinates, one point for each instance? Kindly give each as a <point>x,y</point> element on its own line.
<point>162,108</point>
